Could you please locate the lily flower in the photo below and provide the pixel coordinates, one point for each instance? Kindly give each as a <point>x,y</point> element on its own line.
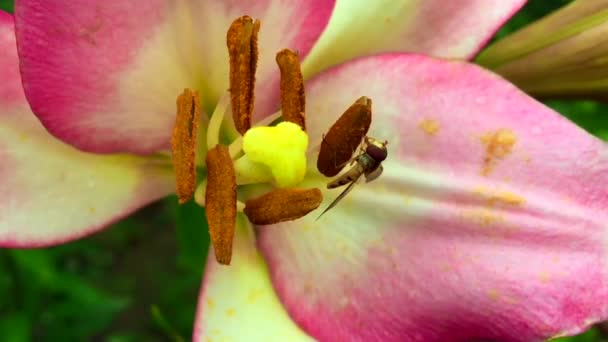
<point>488,222</point>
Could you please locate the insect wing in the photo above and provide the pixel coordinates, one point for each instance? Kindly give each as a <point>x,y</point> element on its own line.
<point>350,176</point>
<point>341,196</point>
<point>375,173</point>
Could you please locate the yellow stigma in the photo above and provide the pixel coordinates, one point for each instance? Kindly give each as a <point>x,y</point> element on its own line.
<point>281,148</point>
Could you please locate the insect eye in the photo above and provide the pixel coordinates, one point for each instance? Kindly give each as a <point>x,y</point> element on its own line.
<point>378,153</point>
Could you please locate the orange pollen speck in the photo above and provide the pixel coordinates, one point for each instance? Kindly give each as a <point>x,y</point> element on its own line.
<point>220,202</point>
<point>282,205</point>
<point>293,101</point>
<point>499,144</point>
<point>429,126</point>
<point>242,42</point>
<point>183,143</point>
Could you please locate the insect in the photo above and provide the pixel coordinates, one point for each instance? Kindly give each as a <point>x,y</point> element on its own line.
<point>368,162</point>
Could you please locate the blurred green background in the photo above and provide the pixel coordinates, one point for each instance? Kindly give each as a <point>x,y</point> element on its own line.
<point>139,279</point>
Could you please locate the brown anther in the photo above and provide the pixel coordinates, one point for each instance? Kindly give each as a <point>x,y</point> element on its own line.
<point>344,136</point>
<point>220,202</point>
<point>183,143</point>
<point>242,41</point>
<point>293,102</point>
<point>282,205</point>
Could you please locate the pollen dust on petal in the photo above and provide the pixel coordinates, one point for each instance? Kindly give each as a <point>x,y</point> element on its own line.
<point>499,198</point>
<point>499,144</point>
<point>493,294</point>
<point>429,126</point>
<point>490,212</point>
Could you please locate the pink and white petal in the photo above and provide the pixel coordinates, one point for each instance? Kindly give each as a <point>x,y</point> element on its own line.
<point>237,302</point>
<point>289,24</point>
<point>104,75</point>
<point>489,222</point>
<point>451,29</point>
<point>51,192</point>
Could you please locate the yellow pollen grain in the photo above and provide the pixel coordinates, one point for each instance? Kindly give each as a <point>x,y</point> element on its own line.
<point>210,303</point>
<point>446,268</point>
<point>493,294</point>
<point>230,312</point>
<point>544,277</point>
<point>254,295</point>
<point>431,127</point>
<point>499,144</point>
<point>483,217</point>
<point>510,198</point>
<point>495,198</point>
<point>92,210</point>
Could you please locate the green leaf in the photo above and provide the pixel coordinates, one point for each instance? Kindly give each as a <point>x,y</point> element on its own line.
<point>6,5</point>
<point>192,234</point>
<point>15,327</point>
<point>591,335</point>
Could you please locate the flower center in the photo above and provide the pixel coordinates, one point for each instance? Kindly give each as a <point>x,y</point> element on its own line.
<point>262,155</point>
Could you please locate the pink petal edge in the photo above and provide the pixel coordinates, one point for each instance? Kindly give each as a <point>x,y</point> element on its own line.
<point>51,192</point>
<point>103,76</point>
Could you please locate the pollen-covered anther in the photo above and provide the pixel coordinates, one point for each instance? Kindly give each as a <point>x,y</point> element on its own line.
<point>220,202</point>
<point>282,205</point>
<point>344,136</point>
<point>293,101</point>
<point>242,42</point>
<point>183,143</point>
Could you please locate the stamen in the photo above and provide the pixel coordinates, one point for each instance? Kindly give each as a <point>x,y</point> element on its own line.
<point>201,190</point>
<point>183,143</point>
<point>220,202</point>
<point>293,101</point>
<point>344,137</point>
<point>282,205</point>
<point>242,41</point>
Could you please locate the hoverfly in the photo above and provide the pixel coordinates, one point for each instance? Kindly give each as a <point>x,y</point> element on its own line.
<point>368,163</point>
